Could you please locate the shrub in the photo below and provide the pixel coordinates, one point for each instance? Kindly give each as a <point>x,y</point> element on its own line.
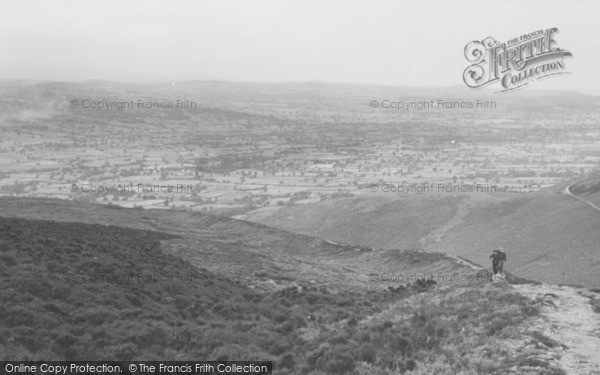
<point>367,353</point>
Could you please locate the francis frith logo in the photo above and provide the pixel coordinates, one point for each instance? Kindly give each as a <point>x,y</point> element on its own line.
<point>514,63</point>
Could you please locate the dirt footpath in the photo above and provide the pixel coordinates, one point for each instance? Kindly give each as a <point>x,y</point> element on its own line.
<point>568,318</point>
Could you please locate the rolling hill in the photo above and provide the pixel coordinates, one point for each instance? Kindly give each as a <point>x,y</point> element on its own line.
<point>249,253</point>
<point>85,281</point>
<point>549,236</point>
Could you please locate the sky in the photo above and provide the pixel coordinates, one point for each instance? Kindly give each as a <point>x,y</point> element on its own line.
<point>416,43</point>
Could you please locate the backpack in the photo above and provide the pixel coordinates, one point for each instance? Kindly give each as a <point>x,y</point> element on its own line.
<point>502,256</point>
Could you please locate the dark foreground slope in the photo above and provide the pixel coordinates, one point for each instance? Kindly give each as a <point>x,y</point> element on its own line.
<point>82,291</point>
<point>71,289</point>
<point>549,236</point>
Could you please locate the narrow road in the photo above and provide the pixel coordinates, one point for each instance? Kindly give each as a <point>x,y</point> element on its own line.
<point>568,192</point>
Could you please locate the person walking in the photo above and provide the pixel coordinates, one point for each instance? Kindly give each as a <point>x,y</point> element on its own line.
<point>502,256</point>
<point>498,258</point>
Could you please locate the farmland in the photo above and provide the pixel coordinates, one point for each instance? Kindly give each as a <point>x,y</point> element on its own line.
<point>241,147</point>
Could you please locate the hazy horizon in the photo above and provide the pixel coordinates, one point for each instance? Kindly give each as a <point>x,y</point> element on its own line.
<point>487,90</point>
<point>380,43</point>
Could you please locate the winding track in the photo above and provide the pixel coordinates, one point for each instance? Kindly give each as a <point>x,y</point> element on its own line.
<point>568,318</point>
<point>568,192</point>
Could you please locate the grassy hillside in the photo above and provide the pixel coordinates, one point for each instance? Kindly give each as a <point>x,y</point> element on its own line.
<point>248,253</point>
<point>75,290</point>
<point>549,236</point>
<point>553,239</point>
<point>359,220</point>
